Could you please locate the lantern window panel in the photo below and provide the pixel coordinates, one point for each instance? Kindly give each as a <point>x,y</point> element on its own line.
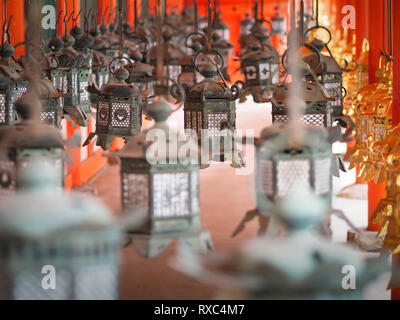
<point>171,197</point>
<point>48,117</point>
<point>322,176</point>
<point>83,94</point>
<point>194,121</point>
<point>7,177</point>
<point>194,182</point>
<point>266,169</point>
<point>264,69</point>
<point>96,283</point>
<point>121,114</point>
<point>28,286</point>
<point>316,119</point>
<point>251,72</point>
<point>3,116</point>
<point>290,172</point>
<point>74,82</point>
<point>215,122</point>
<point>103,113</point>
<point>135,192</point>
<point>275,73</point>
<point>335,89</point>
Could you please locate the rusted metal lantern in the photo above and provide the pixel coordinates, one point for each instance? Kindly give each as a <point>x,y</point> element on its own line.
<point>220,27</point>
<point>119,110</point>
<point>319,110</point>
<point>278,24</point>
<point>246,25</point>
<point>329,73</point>
<point>170,55</point>
<point>261,67</point>
<point>164,188</point>
<point>73,237</point>
<point>12,82</point>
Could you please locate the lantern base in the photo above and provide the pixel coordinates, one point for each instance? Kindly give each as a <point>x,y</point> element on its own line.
<point>366,241</point>
<point>355,191</point>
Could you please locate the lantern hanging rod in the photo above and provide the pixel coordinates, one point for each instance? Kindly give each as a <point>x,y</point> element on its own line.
<point>160,53</point>
<point>135,13</point>
<point>255,11</point>
<point>121,52</point>
<point>196,18</point>
<point>301,32</point>
<point>317,13</point>
<point>209,26</point>
<point>6,26</point>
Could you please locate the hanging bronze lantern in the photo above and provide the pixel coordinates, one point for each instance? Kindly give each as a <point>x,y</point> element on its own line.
<point>170,55</point>
<point>75,236</point>
<point>220,27</point>
<point>261,67</point>
<point>164,189</point>
<point>22,141</point>
<point>100,71</point>
<point>278,24</point>
<point>119,112</point>
<point>12,82</point>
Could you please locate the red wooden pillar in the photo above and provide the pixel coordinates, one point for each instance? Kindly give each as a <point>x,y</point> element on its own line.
<point>130,11</point>
<point>15,8</point>
<point>361,27</point>
<point>102,5</point>
<point>396,96</point>
<point>375,191</point>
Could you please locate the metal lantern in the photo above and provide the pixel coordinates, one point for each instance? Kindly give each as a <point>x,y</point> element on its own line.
<point>246,25</point>
<point>119,111</point>
<point>12,84</point>
<point>329,73</point>
<point>261,68</point>
<point>278,24</point>
<point>210,110</point>
<point>73,237</point>
<point>100,72</point>
<point>164,190</point>
<point>280,165</point>
<point>21,142</point>
<point>319,105</point>
<point>223,47</point>
<point>170,55</point>
<point>220,27</point>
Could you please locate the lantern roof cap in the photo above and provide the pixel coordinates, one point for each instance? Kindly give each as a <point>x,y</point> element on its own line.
<point>264,54</point>
<point>328,63</point>
<point>313,91</point>
<point>120,89</point>
<point>99,59</point>
<point>141,69</point>
<point>138,146</point>
<point>276,139</point>
<point>247,21</point>
<point>11,69</point>
<point>26,135</point>
<point>209,88</point>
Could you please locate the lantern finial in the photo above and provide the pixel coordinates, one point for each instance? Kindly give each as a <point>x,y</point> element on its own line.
<point>159,110</point>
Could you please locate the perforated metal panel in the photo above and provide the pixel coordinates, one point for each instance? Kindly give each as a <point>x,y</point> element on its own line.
<point>171,195</point>
<point>61,83</point>
<point>97,283</point>
<point>7,177</point>
<point>251,73</point>
<point>135,192</point>
<point>83,94</point>
<point>312,119</point>
<point>380,132</point>
<point>215,121</point>
<point>103,113</point>
<point>335,89</point>
<point>266,174</point>
<point>2,108</point>
<point>194,182</point>
<point>290,172</point>
<point>322,176</point>
<point>49,118</point>
<point>194,120</point>
<point>121,114</point>
<point>28,286</point>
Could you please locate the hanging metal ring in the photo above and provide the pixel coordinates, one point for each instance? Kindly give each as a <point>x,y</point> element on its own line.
<point>319,27</point>
<point>118,59</point>
<point>237,89</point>
<point>212,51</point>
<point>191,35</point>
<point>309,47</point>
<point>177,91</point>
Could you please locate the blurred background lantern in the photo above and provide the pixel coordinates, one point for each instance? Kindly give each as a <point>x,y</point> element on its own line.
<point>278,24</point>
<point>164,186</point>
<point>75,235</point>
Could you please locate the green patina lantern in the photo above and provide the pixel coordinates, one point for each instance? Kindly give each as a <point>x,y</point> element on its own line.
<point>119,110</point>
<point>100,70</point>
<point>245,26</point>
<point>170,56</point>
<point>23,141</point>
<point>210,112</point>
<point>164,187</point>
<point>319,108</point>
<point>12,84</point>
<point>73,237</point>
<point>261,67</point>
<point>329,73</point>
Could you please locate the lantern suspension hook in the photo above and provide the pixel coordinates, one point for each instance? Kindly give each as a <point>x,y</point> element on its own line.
<point>6,26</point>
